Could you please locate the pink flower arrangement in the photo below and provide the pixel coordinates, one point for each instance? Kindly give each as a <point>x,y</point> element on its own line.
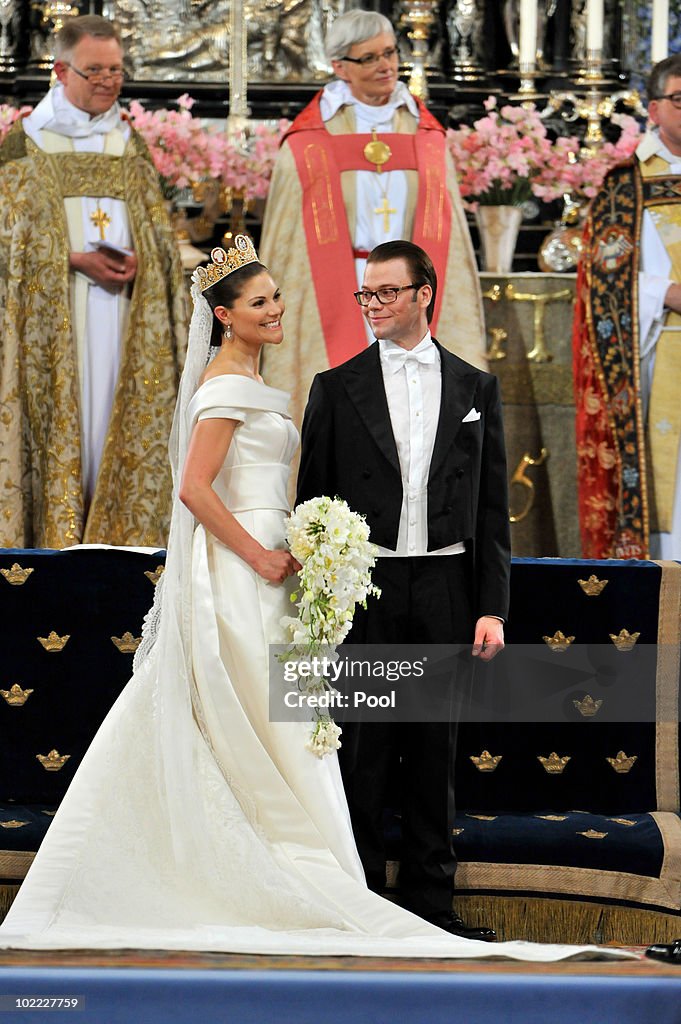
<point>594,164</point>
<point>183,150</point>
<point>249,170</point>
<point>507,157</point>
<point>8,115</point>
<point>504,158</point>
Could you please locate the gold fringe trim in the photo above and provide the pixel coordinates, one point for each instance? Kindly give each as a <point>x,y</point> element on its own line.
<point>15,863</point>
<point>667,686</point>
<point>567,921</point>
<point>536,920</point>
<point>7,894</point>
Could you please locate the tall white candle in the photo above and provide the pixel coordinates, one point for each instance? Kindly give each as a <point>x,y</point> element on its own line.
<point>527,42</point>
<point>659,40</point>
<point>238,69</point>
<point>527,34</point>
<point>594,25</point>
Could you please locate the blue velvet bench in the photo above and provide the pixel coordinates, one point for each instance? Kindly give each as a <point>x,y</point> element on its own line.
<point>70,621</point>
<point>569,830</point>
<point>571,848</point>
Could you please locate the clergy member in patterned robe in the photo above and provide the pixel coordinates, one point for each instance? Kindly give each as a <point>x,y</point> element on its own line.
<point>627,345</point>
<point>92,313</point>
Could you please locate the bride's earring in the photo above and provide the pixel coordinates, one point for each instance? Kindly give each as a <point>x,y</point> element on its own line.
<point>228,333</point>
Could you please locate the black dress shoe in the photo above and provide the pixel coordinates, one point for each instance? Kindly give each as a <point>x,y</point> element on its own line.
<point>669,952</point>
<point>451,922</point>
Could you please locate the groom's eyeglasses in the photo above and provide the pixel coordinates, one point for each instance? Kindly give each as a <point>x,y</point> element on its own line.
<point>384,295</point>
<point>673,97</point>
<point>369,60</point>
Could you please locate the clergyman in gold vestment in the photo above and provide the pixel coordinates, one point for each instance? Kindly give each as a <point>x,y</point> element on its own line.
<point>93,314</point>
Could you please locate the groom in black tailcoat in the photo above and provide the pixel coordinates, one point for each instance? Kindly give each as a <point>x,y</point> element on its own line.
<point>411,437</point>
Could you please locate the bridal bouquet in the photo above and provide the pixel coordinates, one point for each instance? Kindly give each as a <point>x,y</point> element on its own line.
<point>332,544</point>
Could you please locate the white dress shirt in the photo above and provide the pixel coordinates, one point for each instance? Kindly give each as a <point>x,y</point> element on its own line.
<point>413,387</point>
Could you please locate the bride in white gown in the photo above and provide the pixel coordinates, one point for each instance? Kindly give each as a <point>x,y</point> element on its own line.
<point>193,822</point>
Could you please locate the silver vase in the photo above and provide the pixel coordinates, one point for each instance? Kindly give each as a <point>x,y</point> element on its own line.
<point>498,227</point>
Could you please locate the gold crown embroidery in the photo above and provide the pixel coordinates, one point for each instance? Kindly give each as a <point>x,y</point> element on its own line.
<point>54,642</point>
<point>54,761</point>
<point>591,833</point>
<point>127,644</point>
<point>621,763</point>
<point>623,821</point>
<point>226,262</point>
<point>483,817</point>
<point>486,762</point>
<point>13,824</point>
<point>156,574</point>
<point>593,586</point>
<point>553,764</point>
<point>16,575</point>
<point>15,696</point>
<point>552,817</point>
<point>457,831</point>
<point>624,640</point>
<point>558,643</point>
<point>588,707</point>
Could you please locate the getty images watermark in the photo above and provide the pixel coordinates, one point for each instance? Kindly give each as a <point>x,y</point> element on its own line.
<point>444,682</point>
<point>336,671</point>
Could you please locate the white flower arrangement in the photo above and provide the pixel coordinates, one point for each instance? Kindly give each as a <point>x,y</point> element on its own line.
<point>332,544</point>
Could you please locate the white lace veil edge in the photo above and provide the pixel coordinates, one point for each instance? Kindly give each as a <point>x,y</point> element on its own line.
<point>165,652</point>
<point>198,349</point>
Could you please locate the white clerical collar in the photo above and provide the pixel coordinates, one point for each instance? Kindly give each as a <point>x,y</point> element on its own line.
<point>55,113</point>
<point>652,145</point>
<point>337,94</point>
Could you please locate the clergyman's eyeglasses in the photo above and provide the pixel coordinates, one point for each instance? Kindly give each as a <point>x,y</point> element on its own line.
<point>95,76</point>
<point>369,60</point>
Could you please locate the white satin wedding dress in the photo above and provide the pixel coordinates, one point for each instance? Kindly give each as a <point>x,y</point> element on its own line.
<point>193,822</point>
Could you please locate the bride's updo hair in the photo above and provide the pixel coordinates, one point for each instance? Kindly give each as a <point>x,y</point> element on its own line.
<point>226,291</point>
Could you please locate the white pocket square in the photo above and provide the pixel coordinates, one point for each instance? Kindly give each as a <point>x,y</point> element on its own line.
<point>471,416</point>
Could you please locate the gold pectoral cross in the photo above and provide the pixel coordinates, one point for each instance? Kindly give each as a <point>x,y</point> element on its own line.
<point>101,220</point>
<point>386,209</point>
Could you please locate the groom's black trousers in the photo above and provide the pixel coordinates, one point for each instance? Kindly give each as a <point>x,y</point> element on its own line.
<point>424,600</point>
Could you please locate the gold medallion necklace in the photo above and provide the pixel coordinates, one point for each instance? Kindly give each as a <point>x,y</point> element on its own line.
<point>377,152</point>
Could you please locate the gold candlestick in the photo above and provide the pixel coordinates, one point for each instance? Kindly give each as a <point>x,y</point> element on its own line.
<point>419,16</point>
<point>594,103</point>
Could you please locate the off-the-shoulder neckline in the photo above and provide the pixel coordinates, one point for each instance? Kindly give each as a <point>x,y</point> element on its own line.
<point>241,376</point>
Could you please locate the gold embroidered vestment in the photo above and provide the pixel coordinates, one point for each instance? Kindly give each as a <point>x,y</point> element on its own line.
<point>40,459</point>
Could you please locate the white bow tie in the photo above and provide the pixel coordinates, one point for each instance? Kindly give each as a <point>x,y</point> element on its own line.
<point>399,357</point>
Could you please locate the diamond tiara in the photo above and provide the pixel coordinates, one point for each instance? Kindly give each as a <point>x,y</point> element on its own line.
<point>225,262</point>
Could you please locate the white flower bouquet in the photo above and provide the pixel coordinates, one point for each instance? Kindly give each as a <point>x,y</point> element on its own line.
<point>332,544</point>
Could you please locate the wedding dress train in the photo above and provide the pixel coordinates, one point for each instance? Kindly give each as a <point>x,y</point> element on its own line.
<point>193,822</point>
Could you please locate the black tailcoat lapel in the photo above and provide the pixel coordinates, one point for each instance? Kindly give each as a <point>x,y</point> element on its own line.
<point>458,392</point>
<point>364,385</point>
